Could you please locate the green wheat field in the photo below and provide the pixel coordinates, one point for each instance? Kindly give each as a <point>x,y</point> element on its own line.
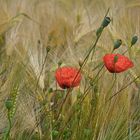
<point>39,36</point>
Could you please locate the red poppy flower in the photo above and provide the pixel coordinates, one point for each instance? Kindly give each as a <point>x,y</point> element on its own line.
<point>68,77</point>
<point>121,64</point>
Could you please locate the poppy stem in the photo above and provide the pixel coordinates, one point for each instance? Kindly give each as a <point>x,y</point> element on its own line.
<point>98,37</point>
<point>123,88</point>
<point>73,112</point>
<point>36,87</point>
<point>92,46</point>
<point>90,51</point>
<point>80,102</point>
<point>41,71</point>
<point>112,50</point>
<point>113,84</point>
<point>97,77</point>
<point>67,91</point>
<point>126,50</point>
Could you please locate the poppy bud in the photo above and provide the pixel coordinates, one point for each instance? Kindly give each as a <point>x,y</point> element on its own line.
<point>134,40</point>
<point>99,31</point>
<point>59,63</point>
<point>105,22</point>
<point>9,104</point>
<point>117,43</point>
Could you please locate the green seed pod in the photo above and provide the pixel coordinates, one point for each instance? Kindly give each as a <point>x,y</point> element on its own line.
<point>105,22</point>
<point>115,59</point>
<point>60,63</point>
<point>9,104</point>
<point>134,40</point>
<point>99,31</point>
<point>117,43</point>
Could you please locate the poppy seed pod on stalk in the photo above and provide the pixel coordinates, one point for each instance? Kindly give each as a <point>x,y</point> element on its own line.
<point>60,63</point>
<point>99,31</point>
<point>117,43</point>
<point>105,22</point>
<point>68,77</point>
<point>134,40</point>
